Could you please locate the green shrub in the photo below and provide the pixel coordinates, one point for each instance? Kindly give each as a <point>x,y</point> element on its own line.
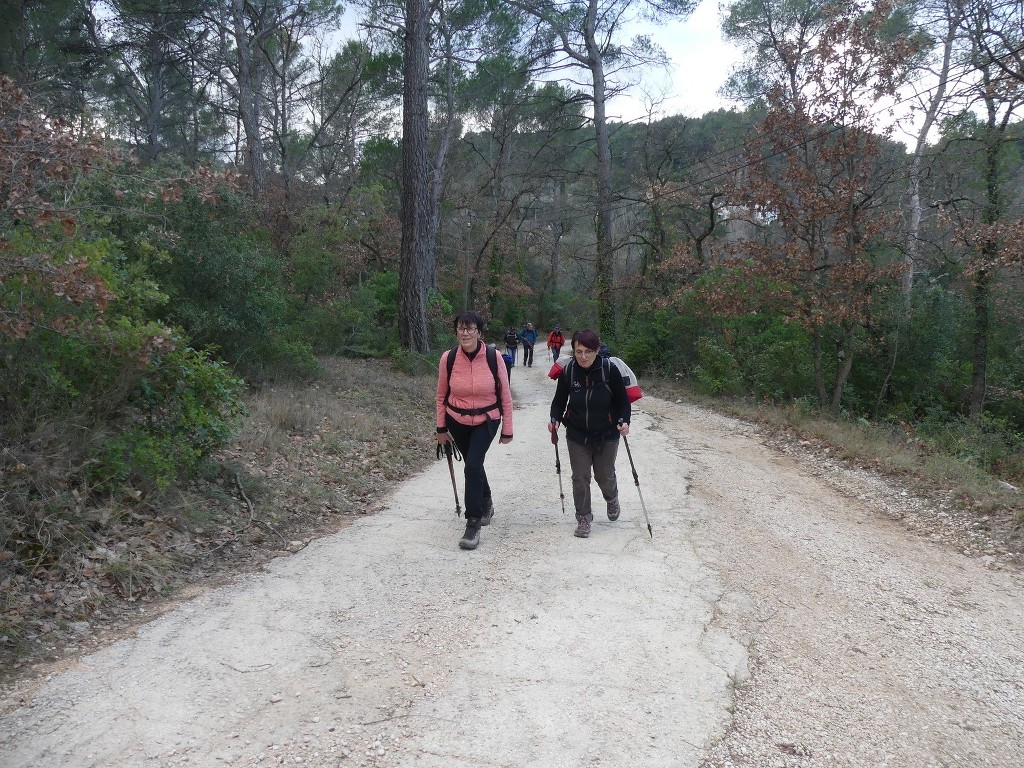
<point>988,446</point>
<point>776,358</point>
<point>659,343</point>
<point>277,356</point>
<point>221,279</point>
<point>183,406</point>
<point>717,371</point>
<point>415,364</point>
<point>440,313</point>
<point>362,322</point>
<point>139,460</point>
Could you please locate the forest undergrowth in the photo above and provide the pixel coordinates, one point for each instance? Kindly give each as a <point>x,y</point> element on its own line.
<point>310,458</point>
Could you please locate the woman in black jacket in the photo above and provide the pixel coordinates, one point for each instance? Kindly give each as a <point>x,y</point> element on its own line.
<point>591,401</point>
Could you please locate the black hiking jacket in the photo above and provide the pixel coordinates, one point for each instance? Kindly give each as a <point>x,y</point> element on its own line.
<point>591,402</point>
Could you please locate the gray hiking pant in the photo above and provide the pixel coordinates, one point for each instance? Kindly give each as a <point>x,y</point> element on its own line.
<point>596,457</point>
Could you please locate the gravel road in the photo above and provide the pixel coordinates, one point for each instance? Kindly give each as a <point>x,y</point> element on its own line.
<point>778,617</point>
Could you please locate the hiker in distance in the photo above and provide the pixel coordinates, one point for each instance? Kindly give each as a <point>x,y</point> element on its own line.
<point>511,343</point>
<point>555,341</point>
<point>591,400</point>
<point>473,400</point>
<point>529,337</point>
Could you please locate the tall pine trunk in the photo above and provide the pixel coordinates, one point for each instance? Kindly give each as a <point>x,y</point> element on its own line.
<point>416,267</point>
<point>247,77</point>
<point>980,299</point>
<point>605,277</point>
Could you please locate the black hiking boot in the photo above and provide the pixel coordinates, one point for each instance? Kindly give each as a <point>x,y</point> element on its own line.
<point>488,512</point>
<point>471,537</point>
<point>613,509</point>
<point>582,526</point>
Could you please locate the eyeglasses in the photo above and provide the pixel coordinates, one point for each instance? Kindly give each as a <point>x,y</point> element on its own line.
<point>461,329</point>
<point>583,352</point>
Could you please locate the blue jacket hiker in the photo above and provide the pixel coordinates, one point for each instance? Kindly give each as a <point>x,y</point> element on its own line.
<point>529,337</point>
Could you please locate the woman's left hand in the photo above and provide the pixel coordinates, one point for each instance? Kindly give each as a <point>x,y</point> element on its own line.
<point>504,440</point>
<point>624,429</point>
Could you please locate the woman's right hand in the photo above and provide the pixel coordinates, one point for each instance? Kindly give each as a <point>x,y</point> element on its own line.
<point>443,437</point>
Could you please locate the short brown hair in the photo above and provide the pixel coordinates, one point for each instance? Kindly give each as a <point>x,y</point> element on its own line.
<point>586,338</point>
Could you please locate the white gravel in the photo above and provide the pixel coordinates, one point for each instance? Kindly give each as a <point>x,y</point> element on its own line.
<point>779,617</point>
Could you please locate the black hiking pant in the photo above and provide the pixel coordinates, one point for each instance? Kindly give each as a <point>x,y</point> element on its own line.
<point>527,354</point>
<point>473,443</point>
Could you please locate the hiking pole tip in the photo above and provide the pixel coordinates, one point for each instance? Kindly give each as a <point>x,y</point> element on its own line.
<point>636,482</point>
<point>558,467</point>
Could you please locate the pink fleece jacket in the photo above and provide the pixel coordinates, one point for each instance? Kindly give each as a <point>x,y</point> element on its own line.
<point>472,386</point>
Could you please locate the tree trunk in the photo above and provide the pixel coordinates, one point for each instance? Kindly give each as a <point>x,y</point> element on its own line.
<point>842,372</point>
<point>248,99</point>
<point>158,85</point>
<point>819,369</point>
<point>416,267</point>
<point>979,358</point>
<point>913,232</point>
<point>605,251</point>
<point>935,101</point>
<point>982,278</point>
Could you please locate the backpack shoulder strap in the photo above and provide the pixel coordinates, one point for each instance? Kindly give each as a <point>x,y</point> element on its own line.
<point>492,363</point>
<point>570,367</point>
<point>451,362</point>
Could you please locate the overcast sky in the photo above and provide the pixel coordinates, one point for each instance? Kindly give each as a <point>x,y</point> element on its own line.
<point>700,64</point>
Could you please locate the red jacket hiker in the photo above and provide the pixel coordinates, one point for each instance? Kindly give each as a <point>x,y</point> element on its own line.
<point>555,341</point>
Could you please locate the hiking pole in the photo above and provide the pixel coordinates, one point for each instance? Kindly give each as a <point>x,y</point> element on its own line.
<point>558,467</point>
<point>450,450</point>
<point>636,480</point>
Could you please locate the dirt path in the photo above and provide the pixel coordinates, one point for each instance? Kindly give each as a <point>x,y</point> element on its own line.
<point>385,645</point>
<point>873,646</point>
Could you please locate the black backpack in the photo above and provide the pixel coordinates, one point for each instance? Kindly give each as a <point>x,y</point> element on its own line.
<point>492,363</point>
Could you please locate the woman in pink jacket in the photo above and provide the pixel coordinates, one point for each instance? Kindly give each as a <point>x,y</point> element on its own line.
<point>472,400</point>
